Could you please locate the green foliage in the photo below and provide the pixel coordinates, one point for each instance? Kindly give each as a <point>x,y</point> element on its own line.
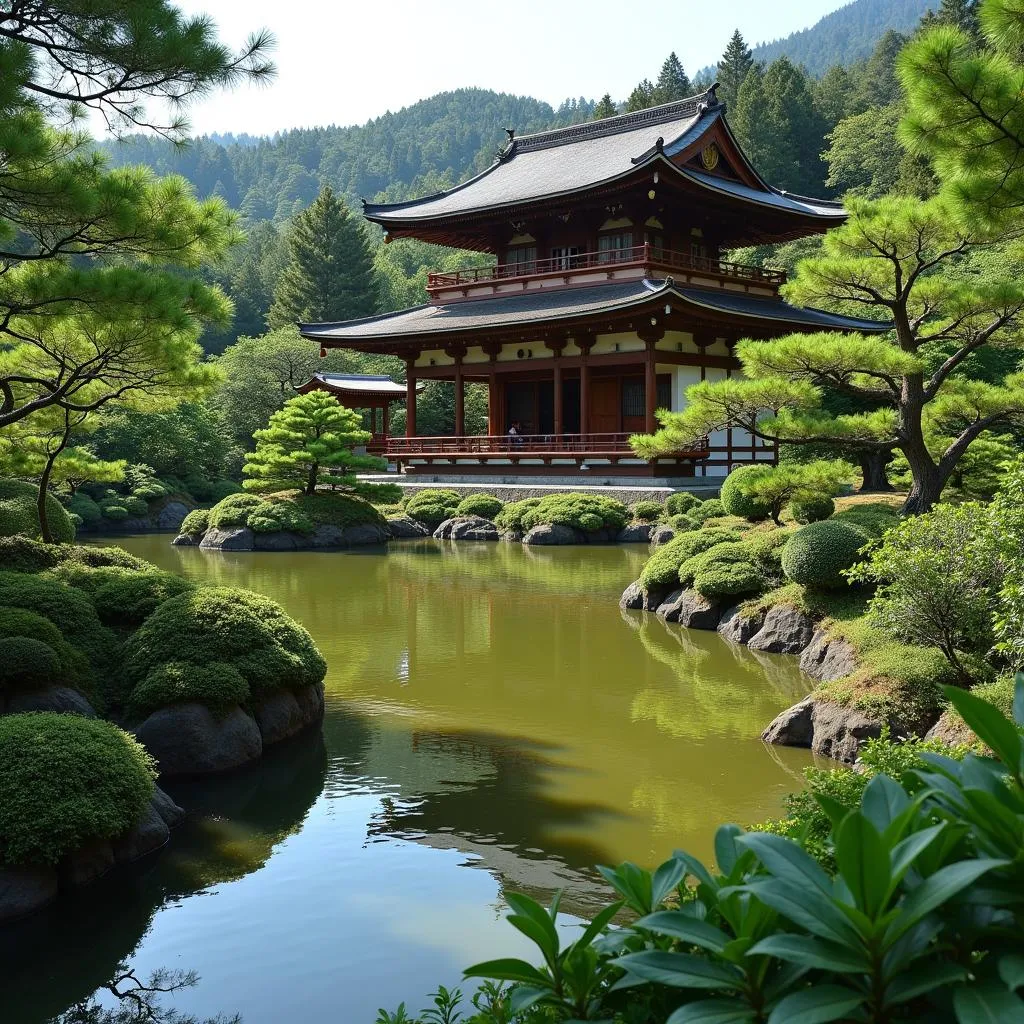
<point>432,506</point>
<point>1006,519</point>
<point>66,781</point>
<point>221,624</point>
<point>218,685</point>
<point>20,623</point>
<point>776,486</point>
<point>680,502</point>
<point>123,597</point>
<point>811,509</point>
<point>737,500</point>
<point>135,505</point>
<point>234,510</point>
<point>570,510</point>
<point>19,512</point>
<point>662,568</point>
<point>485,505</point>
<point>28,663</point>
<point>85,508</point>
<point>273,516</point>
<point>23,554</point>
<point>336,509</point>
<point>819,554</point>
<point>196,523</point>
<point>115,512</point>
<point>710,508</point>
<point>309,441</point>
<point>510,518</point>
<point>646,511</point>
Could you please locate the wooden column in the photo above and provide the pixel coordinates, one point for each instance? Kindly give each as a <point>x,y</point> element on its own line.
<point>559,417</point>
<point>384,422</point>
<point>494,415</point>
<point>460,400</point>
<point>650,388</point>
<point>585,345</point>
<point>410,400</point>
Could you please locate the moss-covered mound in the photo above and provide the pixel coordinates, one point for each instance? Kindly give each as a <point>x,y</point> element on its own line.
<point>219,686</point>
<point>812,510</point>
<point>586,512</point>
<point>19,513</point>
<point>66,781</point>
<point>432,506</point>
<point>196,523</point>
<point>23,554</point>
<point>484,505</point>
<point>736,502</point>
<point>646,511</point>
<point>72,667</point>
<point>287,511</point>
<point>27,664</point>
<point>252,634</point>
<point>123,597</point>
<point>510,518</point>
<point>662,568</point>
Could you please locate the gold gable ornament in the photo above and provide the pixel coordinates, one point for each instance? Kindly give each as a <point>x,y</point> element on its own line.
<point>709,157</point>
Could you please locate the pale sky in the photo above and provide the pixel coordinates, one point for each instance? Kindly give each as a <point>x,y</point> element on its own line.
<point>344,63</point>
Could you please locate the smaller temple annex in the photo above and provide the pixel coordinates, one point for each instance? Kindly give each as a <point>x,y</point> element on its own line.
<point>607,298</point>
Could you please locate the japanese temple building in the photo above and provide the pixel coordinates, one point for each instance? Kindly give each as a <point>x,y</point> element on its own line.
<point>607,300</point>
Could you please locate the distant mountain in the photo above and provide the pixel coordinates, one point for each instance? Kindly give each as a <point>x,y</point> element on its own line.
<point>846,35</point>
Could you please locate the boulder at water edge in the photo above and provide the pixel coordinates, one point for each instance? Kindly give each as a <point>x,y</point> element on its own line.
<point>286,713</point>
<point>738,627</point>
<point>403,527</point>
<point>690,610</point>
<point>236,538</point>
<point>828,658</point>
<point>635,598</point>
<point>635,533</point>
<point>554,533</point>
<point>189,739</point>
<point>49,698</point>
<point>172,515</point>
<point>466,528</point>
<point>828,728</point>
<point>24,890</point>
<point>786,630</point>
<point>661,535</point>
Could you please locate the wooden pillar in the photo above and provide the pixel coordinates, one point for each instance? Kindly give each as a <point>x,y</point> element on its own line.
<point>384,420</point>
<point>585,345</point>
<point>493,411</point>
<point>410,401</point>
<point>650,387</point>
<point>559,414</point>
<point>460,400</point>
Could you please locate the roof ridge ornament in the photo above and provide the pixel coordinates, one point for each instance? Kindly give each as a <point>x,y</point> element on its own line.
<point>709,101</point>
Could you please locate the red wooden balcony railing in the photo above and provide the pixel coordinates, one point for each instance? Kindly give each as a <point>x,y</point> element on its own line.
<point>520,445</point>
<point>646,256</point>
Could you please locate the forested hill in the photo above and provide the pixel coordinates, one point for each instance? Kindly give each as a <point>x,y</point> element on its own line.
<point>846,35</point>
<point>431,144</point>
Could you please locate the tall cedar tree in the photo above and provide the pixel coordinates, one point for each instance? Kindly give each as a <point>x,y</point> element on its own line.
<point>605,108</point>
<point>901,259</point>
<point>964,112</point>
<point>329,275</point>
<point>641,97</point>
<point>672,83</point>
<point>733,69</point>
<point>309,441</point>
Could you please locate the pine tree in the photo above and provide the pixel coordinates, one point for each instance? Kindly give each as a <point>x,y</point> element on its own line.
<point>961,14</point>
<point>672,82</point>
<point>641,97</point>
<point>605,108</point>
<point>309,440</point>
<point>733,69</point>
<point>329,275</point>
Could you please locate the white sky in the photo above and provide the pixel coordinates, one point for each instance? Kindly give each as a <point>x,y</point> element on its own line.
<point>344,63</point>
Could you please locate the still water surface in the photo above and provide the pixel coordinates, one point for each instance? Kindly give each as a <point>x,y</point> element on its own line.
<point>493,721</point>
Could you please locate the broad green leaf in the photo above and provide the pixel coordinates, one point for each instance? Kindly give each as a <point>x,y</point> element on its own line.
<point>936,890</point>
<point>988,1003</point>
<point>678,925</point>
<point>522,997</point>
<point>863,862</point>
<point>599,924</point>
<point>784,859</point>
<point>906,852</point>
<point>990,725</point>
<point>725,847</point>
<point>813,952</point>
<point>712,1011</point>
<point>916,982</point>
<point>835,810</point>
<point>815,1005</point>
<point>883,801</point>
<point>1018,699</point>
<point>806,907</point>
<point>509,969</point>
<point>666,878</point>
<point>680,970</point>
<point>537,934</point>
<point>1011,970</point>
<point>696,868</point>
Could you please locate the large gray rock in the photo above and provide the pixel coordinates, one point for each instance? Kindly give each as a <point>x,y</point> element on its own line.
<point>85,865</point>
<point>402,527</point>
<point>186,540</point>
<point>148,835</point>
<point>24,890</point>
<point>690,609</point>
<point>188,739</point>
<point>661,535</point>
<point>279,540</point>
<point>466,528</point>
<point>235,538</point>
<point>737,627</point>
<point>635,533</point>
<point>553,533</point>
<point>635,598</point>
<point>50,698</point>
<point>364,533</point>
<point>287,712</point>
<point>830,729</point>
<point>828,658</point>
<point>171,813</point>
<point>786,630</point>
<point>171,516</point>
<point>952,730</point>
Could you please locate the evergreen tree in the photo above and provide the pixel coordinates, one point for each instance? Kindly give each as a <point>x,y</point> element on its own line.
<point>605,108</point>
<point>641,97</point>
<point>329,275</point>
<point>309,441</point>
<point>833,94</point>
<point>733,69</point>
<point>672,83</point>
<point>961,14</point>
<point>877,85</point>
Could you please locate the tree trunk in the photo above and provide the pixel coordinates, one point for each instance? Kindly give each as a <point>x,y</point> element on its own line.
<point>314,472</point>
<point>926,488</point>
<point>44,484</point>
<point>873,466</point>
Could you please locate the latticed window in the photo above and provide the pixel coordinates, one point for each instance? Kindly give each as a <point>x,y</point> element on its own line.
<point>565,257</point>
<point>615,247</point>
<point>521,259</point>
<point>633,397</point>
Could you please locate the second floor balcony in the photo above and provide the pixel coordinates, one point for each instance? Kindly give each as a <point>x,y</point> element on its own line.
<point>590,267</point>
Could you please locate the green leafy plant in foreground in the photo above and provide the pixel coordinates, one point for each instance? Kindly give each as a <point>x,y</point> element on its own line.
<point>922,920</point>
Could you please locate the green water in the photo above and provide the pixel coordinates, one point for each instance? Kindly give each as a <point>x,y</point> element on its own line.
<point>493,721</point>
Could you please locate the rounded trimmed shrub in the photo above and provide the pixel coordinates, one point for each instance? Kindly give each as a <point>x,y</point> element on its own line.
<point>875,517</point>
<point>721,554</point>
<point>328,508</point>
<point>135,505</point>
<point>589,521</point>
<point>817,554</point>
<point>19,622</point>
<point>66,781</point>
<point>662,568</point>
<point>218,685</point>
<point>23,554</point>
<point>19,514</point>
<point>647,511</point>
<point>196,523</point>
<point>85,508</point>
<point>728,579</point>
<point>95,557</point>
<point>484,505</point>
<point>275,516</point>
<point>224,624</point>
<point>568,510</point>
<point>510,518</point>
<point>28,663</point>
<point>233,510</point>
<point>146,493</point>
<point>812,510</point>
<point>124,598</point>
<point>712,508</point>
<point>680,503</point>
<point>115,513</point>
<point>683,523</point>
<point>432,506</point>
<point>736,503</point>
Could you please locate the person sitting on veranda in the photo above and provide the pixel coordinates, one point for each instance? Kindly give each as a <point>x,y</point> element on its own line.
<point>515,432</point>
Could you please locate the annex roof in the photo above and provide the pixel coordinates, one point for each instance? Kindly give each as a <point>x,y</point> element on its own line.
<point>368,383</point>
<point>573,159</point>
<point>545,306</point>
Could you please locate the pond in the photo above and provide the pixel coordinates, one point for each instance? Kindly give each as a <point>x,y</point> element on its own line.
<point>493,722</point>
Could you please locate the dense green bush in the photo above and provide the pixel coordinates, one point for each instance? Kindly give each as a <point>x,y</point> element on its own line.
<point>19,513</point>
<point>326,508</point>
<point>485,505</point>
<point>510,518</point>
<point>218,685</point>
<point>680,503</point>
<point>85,508</point>
<point>818,554</point>
<point>66,781</point>
<point>874,517</point>
<point>28,663</point>
<point>812,510</point>
<point>196,523</point>
<point>20,622</point>
<point>569,510</point>
<point>221,489</point>
<point>23,554</point>
<point>662,568</point>
<point>123,598</point>
<point>96,557</point>
<point>135,505</point>
<point>233,511</point>
<point>738,503</point>
<point>705,510</point>
<point>722,570</point>
<point>274,516</point>
<point>145,493</point>
<point>646,511</point>
<point>116,513</point>
<point>432,506</point>
<point>221,624</point>
<point>683,523</point>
